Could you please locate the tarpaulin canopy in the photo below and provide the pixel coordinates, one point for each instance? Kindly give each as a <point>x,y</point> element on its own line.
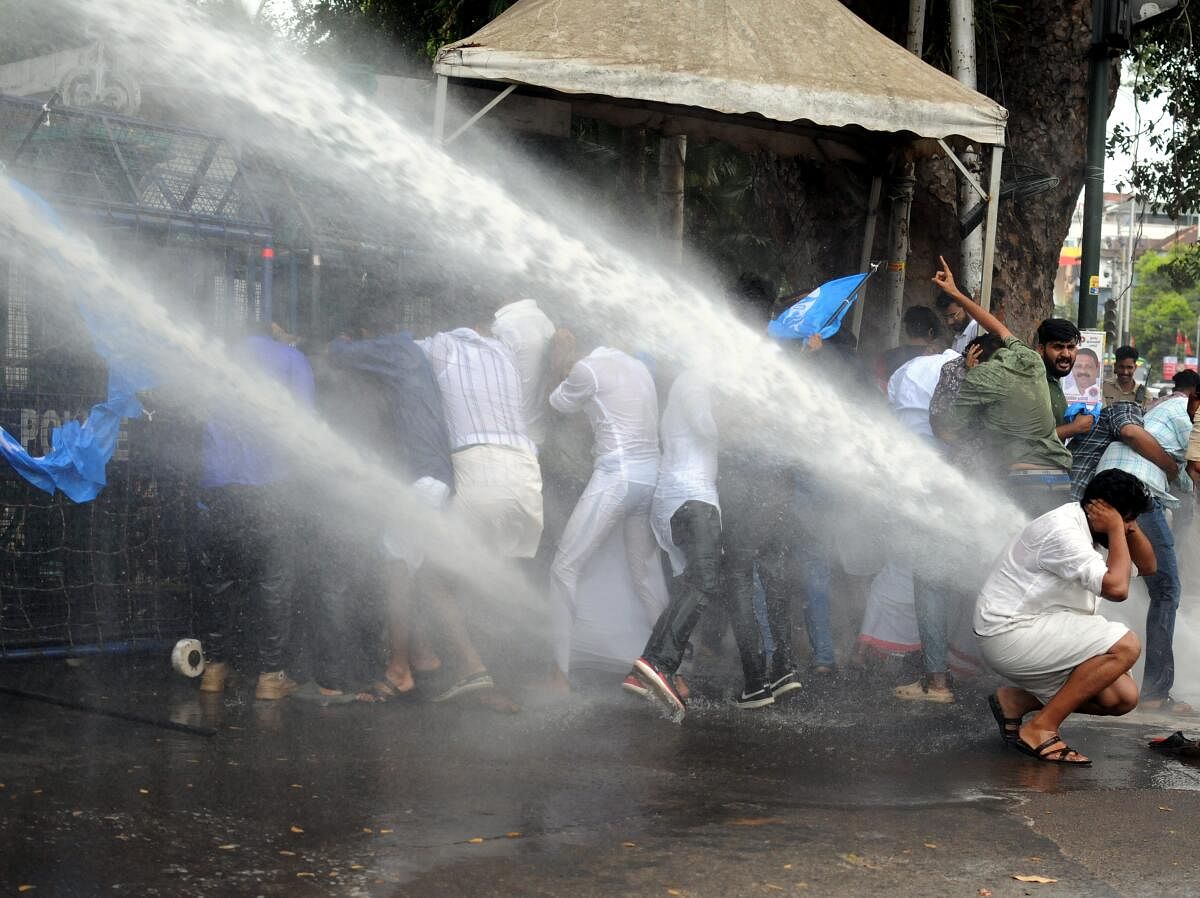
<point>792,61</point>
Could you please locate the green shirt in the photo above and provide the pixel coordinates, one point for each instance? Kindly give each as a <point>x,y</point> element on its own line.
<point>1009,397</point>
<point>1058,399</point>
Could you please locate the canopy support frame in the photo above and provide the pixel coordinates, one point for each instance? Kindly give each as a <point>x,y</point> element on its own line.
<point>966,172</point>
<point>439,111</point>
<point>990,223</point>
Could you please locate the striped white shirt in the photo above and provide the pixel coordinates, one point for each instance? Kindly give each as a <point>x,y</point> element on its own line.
<point>481,390</point>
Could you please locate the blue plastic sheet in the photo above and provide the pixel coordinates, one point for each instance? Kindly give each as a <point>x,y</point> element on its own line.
<point>80,452</point>
<point>820,312</point>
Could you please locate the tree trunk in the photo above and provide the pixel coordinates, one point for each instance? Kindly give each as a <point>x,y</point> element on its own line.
<point>1042,80</point>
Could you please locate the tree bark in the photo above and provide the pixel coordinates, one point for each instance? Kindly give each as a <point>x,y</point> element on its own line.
<point>1042,80</point>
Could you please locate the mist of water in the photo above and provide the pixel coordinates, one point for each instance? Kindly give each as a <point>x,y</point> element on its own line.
<point>369,155</point>
<point>378,162</point>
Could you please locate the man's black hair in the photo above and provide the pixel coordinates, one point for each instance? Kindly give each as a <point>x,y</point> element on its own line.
<point>920,322</point>
<point>1186,380</point>
<point>1126,352</point>
<point>1122,491</point>
<point>1086,351</point>
<point>988,342</point>
<point>1057,330</point>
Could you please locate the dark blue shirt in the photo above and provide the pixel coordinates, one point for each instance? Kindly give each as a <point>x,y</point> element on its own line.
<point>418,421</point>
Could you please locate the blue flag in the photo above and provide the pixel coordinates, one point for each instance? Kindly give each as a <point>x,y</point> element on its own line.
<point>80,452</point>
<point>820,312</point>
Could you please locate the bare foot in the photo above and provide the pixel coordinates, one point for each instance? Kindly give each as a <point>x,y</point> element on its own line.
<point>400,679</point>
<point>493,698</point>
<point>422,658</point>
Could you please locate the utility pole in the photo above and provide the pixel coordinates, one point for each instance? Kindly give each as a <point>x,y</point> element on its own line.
<point>1114,23</point>
<point>962,47</point>
<point>1099,56</point>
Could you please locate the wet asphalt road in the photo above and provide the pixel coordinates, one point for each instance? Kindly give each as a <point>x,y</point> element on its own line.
<point>837,793</point>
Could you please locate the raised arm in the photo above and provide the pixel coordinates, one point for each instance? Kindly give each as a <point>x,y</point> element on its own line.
<point>1104,518</point>
<point>989,322</point>
<point>1139,440</point>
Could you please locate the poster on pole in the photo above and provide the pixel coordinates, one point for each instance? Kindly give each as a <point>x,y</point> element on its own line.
<point>1085,382</point>
<point>1170,365</point>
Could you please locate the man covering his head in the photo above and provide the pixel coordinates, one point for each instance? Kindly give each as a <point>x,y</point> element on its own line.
<point>1037,622</point>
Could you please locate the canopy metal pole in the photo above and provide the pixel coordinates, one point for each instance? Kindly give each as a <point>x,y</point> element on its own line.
<point>962,43</point>
<point>901,195</point>
<point>439,109</point>
<point>989,233</point>
<point>868,245</point>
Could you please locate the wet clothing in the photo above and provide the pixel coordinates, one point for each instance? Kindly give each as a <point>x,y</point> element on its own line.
<point>758,510</point>
<point>527,332</point>
<point>230,451</point>
<point>910,390</point>
<point>481,390</point>
<point>1087,449</point>
<point>247,566</point>
<point>696,533</point>
<point>1008,396</point>
<point>1169,423</point>
<point>1036,615</point>
<point>247,560</point>
<point>1051,565</point>
<point>499,496</point>
<point>419,443</point>
<point>618,395</point>
<point>688,470</point>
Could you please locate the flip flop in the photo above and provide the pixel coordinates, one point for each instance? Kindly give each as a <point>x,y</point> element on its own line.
<point>1010,727</point>
<point>473,683</point>
<point>1046,756</point>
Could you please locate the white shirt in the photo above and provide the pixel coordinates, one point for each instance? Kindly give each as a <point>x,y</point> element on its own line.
<point>688,470</point>
<point>481,390</point>
<point>527,332</point>
<point>617,393</point>
<point>910,390</point>
<point>1052,565</point>
<point>970,332</point>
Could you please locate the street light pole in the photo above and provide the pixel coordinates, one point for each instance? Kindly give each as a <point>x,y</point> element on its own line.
<point>1093,190</point>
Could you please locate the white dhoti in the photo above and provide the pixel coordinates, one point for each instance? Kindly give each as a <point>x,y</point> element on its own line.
<point>890,619</point>
<point>1040,655</point>
<point>498,495</point>
<point>610,502</point>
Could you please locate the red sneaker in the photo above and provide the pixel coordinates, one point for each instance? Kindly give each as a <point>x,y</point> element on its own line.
<point>633,684</point>
<point>660,682</point>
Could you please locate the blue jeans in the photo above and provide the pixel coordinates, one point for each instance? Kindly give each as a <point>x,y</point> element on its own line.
<point>933,609</point>
<point>1163,586</point>
<point>811,567</point>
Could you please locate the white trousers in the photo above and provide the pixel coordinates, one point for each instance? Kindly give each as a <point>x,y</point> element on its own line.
<point>608,501</point>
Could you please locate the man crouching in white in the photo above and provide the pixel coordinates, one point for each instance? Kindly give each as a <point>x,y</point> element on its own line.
<point>1037,623</point>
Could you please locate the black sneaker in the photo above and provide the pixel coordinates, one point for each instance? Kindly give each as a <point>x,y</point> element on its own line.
<point>788,682</point>
<point>756,698</point>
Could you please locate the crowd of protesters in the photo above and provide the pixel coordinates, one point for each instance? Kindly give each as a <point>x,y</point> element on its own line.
<point>665,539</point>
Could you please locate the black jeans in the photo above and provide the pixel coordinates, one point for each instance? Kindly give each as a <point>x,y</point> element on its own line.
<point>349,630</point>
<point>246,564</point>
<point>758,532</point>
<point>696,528</point>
